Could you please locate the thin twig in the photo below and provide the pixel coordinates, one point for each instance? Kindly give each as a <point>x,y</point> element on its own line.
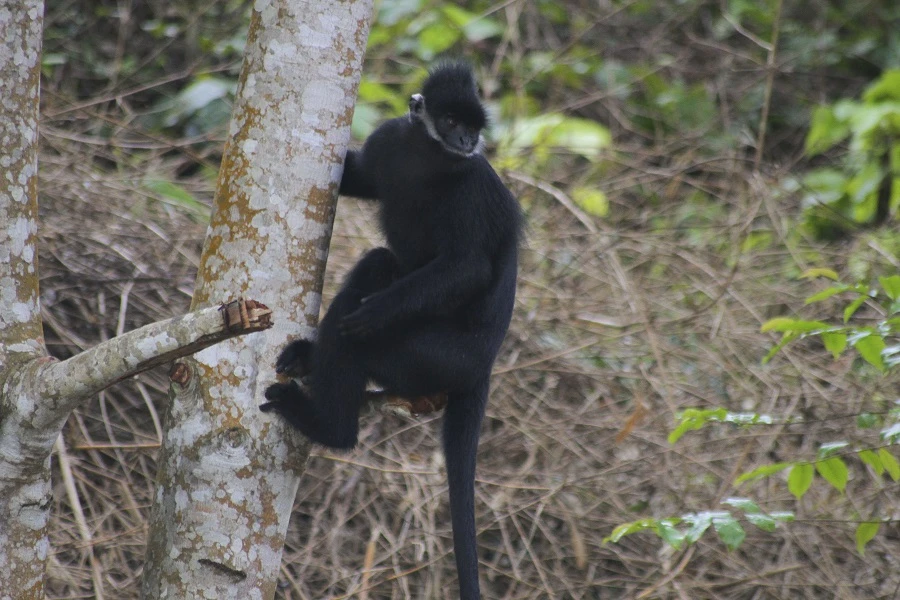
<point>772,49</point>
<point>65,468</point>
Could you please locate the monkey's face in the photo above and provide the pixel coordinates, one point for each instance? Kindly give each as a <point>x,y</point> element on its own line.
<point>458,136</point>
<point>450,109</point>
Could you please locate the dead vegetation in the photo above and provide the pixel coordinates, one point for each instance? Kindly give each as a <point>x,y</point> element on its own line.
<point>619,324</point>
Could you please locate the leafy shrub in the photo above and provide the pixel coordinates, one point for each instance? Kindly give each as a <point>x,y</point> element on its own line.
<point>865,188</point>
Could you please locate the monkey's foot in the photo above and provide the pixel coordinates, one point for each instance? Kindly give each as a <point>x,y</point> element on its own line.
<point>281,398</point>
<point>294,360</point>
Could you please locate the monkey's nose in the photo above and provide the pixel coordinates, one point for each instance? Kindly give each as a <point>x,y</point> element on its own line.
<point>468,142</point>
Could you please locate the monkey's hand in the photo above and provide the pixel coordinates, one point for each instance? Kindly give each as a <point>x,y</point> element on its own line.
<point>295,359</point>
<point>372,316</point>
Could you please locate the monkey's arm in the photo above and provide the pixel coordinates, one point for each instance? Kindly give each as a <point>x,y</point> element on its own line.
<point>438,288</point>
<point>358,181</point>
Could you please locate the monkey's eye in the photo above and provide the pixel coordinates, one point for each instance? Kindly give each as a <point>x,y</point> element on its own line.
<point>450,120</point>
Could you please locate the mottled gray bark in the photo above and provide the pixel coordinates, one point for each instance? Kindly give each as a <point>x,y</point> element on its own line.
<point>228,473</point>
<point>37,394</point>
<point>24,465</point>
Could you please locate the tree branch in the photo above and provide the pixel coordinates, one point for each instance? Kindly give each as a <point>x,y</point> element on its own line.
<point>142,349</point>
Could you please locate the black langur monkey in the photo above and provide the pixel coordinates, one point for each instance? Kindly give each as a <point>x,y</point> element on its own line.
<point>426,315</point>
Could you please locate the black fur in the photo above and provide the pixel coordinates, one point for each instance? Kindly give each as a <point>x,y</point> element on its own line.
<point>428,314</point>
<point>451,90</point>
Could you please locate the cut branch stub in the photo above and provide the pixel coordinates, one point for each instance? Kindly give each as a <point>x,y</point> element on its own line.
<point>246,316</point>
<point>180,373</point>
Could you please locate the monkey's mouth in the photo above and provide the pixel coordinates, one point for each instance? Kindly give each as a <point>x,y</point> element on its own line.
<point>466,146</point>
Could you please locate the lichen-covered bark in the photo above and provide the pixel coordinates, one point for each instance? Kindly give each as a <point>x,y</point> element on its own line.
<point>62,385</point>
<point>37,393</point>
<point>25,481</point>
<point>20,27</point>
<point>228,473</point>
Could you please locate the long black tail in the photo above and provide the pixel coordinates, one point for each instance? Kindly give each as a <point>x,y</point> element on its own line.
<point>462,425</point>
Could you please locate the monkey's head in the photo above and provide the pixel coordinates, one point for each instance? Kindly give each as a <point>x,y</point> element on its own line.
<point>450,110</point>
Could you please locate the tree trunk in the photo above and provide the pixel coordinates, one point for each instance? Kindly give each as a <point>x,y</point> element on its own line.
<point>24,450</point>
<point>228,473</point>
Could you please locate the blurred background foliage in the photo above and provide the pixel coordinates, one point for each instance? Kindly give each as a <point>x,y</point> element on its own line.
<point>707,330</point>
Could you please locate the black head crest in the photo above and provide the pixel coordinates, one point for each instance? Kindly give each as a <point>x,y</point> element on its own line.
<point>450,89</point>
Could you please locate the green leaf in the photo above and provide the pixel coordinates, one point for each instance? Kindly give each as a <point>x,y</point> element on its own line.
<point>800,478</point>
<point>581,136</point>
<point>746,418</point>
<point>592,200</point>
<point>436,38</point>
<point>198,94</point>
<point>867,121</point>
<point>793,325</point>
<point>891,356</point>
<point>553,130</point>
<point>763,471</point>
<point>891,286</point>
<point>835,342</point>
<point>862,188</point>
<point>756,240</point>
<point>729,530</point>
<point>50,59</point>
<point>778,324</point>
<point>482,29</point>
<point>695,418</point>
<point>458,15</point>
<point>867,420</point>
<point>825,131</point>
<point>885,89</point>
<point>864,534</point>
<point>786,339</point>
<point>175,195</point>
<point>526,133</point>
<point>834,471</point>
<point>699,524</point>
<point>634,527</point>
<point>365,119</point>
<point>763,521</point>
<point>474,27</point>
<point>890,463</point>
<point>873,460</point>
<point>372,91</point>
<point>669,533</point>
<point>391,13</point>
<point>745,504</point>
<point>891,434</point>
<point>784,516</point>
<point>853,307</point>
<point>870,347</point>
<point>825,294</point>
<point>629,528</point>
<point>826,450</point>
<point>825,186</point>
<point>819,272</point>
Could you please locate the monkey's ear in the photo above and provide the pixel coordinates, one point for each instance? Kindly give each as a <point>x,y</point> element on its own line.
<point>416,105</point>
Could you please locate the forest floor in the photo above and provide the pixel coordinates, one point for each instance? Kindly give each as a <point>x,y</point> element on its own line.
<point>620,323</point>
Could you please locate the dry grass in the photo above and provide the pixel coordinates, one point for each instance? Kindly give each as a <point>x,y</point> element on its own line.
<point>618,325</point>
<point>613,332</point>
